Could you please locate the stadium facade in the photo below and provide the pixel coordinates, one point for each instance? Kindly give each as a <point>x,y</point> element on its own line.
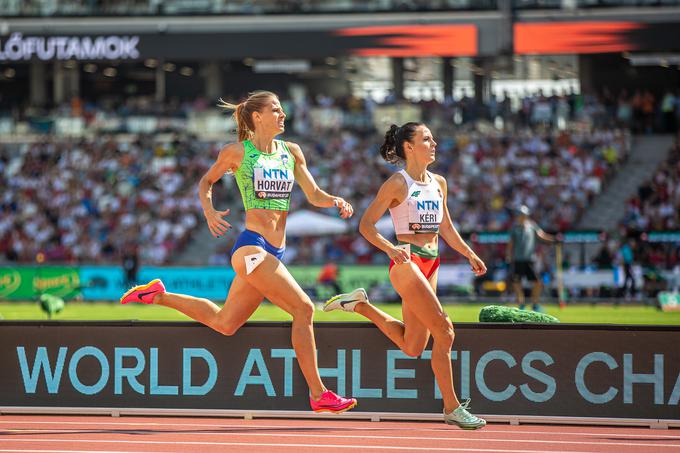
<point>189,52</point>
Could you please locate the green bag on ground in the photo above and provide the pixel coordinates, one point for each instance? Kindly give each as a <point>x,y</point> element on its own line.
<point>499,313</point>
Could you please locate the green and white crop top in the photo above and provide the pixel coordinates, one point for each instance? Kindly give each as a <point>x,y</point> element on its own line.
<point>265,180</point>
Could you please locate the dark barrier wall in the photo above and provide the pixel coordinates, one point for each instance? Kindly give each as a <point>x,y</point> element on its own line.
<point>394,40</point>
<point>565,370</point>
<point>412,40</point>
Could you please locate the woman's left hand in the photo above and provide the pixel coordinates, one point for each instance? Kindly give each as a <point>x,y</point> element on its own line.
<point>477,265</point>
<point>344,208</point>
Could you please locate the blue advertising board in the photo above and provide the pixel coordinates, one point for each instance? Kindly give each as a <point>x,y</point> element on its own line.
<point>108,282</point>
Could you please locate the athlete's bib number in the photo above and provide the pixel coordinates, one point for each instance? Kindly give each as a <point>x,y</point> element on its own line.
<point>272,183</point>
<point>424,216</point>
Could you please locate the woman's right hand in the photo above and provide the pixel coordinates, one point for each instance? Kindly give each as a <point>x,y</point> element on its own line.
<point>399,255</point>
<point>217,225</point>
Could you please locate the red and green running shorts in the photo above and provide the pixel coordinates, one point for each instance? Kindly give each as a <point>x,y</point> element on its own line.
<point>426,260</point>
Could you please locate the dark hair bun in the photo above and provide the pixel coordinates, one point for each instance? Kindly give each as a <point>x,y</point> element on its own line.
<point>388,150</point>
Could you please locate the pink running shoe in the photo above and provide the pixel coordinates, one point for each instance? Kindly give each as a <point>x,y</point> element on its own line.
<point>143,293</point>
<point>330,402</point>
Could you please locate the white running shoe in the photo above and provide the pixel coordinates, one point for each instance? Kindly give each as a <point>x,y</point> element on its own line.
<point>464,419</point>
<point>346,302</point>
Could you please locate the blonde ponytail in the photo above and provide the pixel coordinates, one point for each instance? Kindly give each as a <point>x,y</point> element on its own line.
<point>242,129</point>
<point>243,112</point>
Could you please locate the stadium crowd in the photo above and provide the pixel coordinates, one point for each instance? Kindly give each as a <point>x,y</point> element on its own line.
<point>85,200</point>
<point>656,206</point>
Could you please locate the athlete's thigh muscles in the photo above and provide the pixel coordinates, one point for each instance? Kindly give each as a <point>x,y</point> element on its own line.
<point>270,278</point>
<point>241,303</point>
<point>433,280</point>
<point>433,284</point>
<point>416,333</point>
<point>417,293</point>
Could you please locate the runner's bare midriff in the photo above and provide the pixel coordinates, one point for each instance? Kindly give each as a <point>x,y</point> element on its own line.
<point>425,240</point>
<point>269,223</point>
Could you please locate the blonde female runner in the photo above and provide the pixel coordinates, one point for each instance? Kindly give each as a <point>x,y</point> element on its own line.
<point>265,170</point>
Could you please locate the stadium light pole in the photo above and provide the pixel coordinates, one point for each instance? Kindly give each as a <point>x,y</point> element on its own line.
<point>398,77</point>
<point>448,75</point>
<point>38,80</point>
<point>160,82</point>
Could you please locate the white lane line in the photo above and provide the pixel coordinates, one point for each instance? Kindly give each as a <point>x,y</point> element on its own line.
<point>281,445</point>
<point>464,439</point>
<point>250,425</point>
<point>253,432</point>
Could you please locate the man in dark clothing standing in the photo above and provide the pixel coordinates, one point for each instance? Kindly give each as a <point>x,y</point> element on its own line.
<point>628,259</point>
<point>520,255</point>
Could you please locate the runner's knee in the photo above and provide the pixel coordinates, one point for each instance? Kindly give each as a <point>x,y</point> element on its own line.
<point>414,350</point>
<point>444,330</point>
<point>228,328</point>
<point>303,310</point>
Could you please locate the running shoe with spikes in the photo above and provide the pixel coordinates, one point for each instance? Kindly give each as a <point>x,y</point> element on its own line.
<point>331,402</point>
<point>346,302</point>
<point>143,293</point>
<point>464,419</point>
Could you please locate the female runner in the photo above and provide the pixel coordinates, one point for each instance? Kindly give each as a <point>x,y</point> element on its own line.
<point>416,199</point>
<point>265,170</point>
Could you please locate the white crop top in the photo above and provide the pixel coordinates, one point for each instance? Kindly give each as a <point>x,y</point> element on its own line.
<point>422,211</point>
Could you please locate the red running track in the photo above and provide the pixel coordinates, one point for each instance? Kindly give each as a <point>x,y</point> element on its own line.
<point>57,434</point>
